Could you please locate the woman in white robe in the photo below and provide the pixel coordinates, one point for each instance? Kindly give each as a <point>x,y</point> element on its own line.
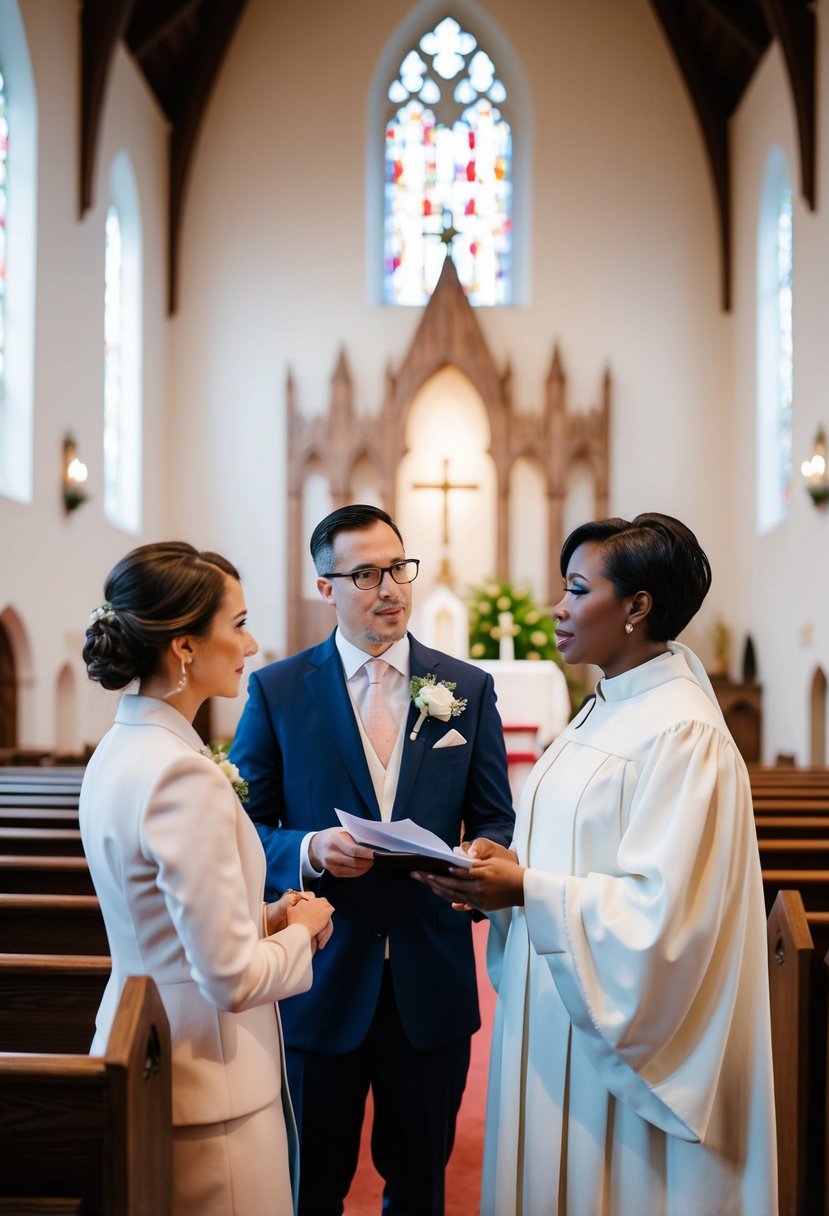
<point>180,871</point>
<point>630,1072</point>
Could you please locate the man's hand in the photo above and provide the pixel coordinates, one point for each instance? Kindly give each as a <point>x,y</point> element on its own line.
<point>337,852</point>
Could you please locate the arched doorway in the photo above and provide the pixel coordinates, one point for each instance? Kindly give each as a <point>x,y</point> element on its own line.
<point>817,719</point>
<point>8,692</point>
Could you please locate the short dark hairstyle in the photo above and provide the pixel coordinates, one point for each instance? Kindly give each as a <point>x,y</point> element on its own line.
<point>654,553</point>
<point>155,593</point>
<point>352,518</point>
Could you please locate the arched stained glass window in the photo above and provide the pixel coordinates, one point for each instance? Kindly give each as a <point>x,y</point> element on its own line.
<point>448,180</point>
<point>775,347</point>
<point>122,349</point>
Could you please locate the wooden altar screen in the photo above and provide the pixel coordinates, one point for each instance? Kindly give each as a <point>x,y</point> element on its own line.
<point>448,335</point>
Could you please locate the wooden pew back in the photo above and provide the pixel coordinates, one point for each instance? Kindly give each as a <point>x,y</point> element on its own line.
<point>95,1128</point>
<point>51,924</point>
<point>48,1002</point>
<point>798,1021</point>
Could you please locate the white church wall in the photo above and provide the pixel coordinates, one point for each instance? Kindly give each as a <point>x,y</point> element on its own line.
<point>53,564</point>
<point>781,579</point>
<point>624,267</point>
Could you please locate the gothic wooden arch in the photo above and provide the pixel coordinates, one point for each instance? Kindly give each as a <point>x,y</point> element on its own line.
<point>449,334</point>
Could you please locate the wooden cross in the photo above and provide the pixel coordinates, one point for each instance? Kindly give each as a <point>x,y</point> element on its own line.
<point>445,486</point>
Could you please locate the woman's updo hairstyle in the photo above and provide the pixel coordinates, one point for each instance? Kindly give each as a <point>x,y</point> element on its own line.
<point>654,553</point>
<point>156,593</point>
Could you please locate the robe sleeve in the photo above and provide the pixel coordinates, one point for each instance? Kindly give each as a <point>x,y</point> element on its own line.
<point>648,961</point>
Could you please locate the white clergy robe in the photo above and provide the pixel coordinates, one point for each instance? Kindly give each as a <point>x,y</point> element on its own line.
<point>631,1060</point>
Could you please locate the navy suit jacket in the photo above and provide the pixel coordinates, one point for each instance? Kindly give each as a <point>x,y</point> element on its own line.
<point>298,746</point>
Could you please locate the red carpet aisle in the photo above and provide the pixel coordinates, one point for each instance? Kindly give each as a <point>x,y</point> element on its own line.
<point>463,1176</point>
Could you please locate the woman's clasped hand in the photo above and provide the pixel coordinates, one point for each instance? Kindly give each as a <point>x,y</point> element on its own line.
<point>302,908</point>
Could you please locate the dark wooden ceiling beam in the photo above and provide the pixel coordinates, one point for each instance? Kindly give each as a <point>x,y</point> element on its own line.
<point>742,22</point>
<point>713,121</point>
<point>153,20</point>
<point>220,22</point>
<point>793,24</point>
<point>102,25</point>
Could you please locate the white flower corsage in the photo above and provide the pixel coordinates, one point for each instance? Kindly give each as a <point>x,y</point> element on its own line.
<point>433,697</point>
<point>219,756</point>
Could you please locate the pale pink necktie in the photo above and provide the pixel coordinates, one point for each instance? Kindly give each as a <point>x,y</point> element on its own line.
<point>381,727</point>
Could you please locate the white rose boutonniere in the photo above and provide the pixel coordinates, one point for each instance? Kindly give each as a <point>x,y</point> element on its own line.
<point>219,756</point>
<point>434,699</point>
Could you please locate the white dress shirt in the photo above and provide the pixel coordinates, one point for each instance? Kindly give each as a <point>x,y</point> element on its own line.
<point>397,694</point>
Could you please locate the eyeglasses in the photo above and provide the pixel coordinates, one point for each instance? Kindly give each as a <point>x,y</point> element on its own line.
<point>369,577</point>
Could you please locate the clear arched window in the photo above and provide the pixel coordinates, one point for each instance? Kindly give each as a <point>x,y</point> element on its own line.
<point>122,342</point>
<point>775,347</point>
<point>18,218</point>
<point>448,170</point>
<point>4,148</point>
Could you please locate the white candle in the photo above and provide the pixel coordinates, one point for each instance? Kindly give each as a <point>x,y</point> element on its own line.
<point>505,637</point>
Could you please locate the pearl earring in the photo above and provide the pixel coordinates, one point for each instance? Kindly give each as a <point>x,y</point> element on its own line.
<point>182,684</point>
<point>628,627</point>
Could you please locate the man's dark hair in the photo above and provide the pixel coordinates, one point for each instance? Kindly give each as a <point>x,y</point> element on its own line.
<point>352,518</point>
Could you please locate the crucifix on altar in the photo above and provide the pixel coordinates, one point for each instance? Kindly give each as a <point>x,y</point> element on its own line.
<point>446,486</point>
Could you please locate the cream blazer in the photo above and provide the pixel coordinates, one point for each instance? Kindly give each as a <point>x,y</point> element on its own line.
<point>180,874</point>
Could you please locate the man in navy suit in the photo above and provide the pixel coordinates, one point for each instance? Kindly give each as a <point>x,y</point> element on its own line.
<point>394,1000</point>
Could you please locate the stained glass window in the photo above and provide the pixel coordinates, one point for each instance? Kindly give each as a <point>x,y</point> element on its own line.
<point>448,161</point>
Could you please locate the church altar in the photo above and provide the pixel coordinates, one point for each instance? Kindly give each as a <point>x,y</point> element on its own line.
<point>531,693</point>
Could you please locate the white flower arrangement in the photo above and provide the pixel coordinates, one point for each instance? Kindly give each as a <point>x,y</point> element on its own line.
<point>433,697</point>
<point>219,756</point>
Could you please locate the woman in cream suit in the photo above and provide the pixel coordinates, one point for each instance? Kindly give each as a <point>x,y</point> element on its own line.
<point>180,875</point>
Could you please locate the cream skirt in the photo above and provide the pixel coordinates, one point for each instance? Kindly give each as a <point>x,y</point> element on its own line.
<point>239,1168</point>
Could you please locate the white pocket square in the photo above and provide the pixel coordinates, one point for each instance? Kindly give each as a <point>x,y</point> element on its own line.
<point>452,738</point>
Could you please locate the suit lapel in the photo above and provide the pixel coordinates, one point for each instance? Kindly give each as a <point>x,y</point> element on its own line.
<point>422,661</point>
<point>326,685</point>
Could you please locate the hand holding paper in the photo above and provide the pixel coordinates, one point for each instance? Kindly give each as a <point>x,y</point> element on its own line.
<point>404,843</point>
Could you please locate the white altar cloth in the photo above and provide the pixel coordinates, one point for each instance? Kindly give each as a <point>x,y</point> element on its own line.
<point>530,693</point>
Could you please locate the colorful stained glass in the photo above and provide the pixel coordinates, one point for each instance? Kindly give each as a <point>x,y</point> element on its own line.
<point>785,350</point>
<point>448,172</point>
<point>113,348</point>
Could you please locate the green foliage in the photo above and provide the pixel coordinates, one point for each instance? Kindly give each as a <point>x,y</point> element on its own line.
<point>535,629</point>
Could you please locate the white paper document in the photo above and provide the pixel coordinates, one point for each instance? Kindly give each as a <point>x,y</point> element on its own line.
<point>402,836</point>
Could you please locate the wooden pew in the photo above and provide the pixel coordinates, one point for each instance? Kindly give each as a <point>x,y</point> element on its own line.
<point>48,1002</point>
<point>813,886</point>
<point>21,874</point>
<point>40,798</point>
<point>797,984</point>
<point>52,924</point>
<point>771,827</point>
<point>94,1128</point>
<point>54,842</point>
<point>27,817</point>
<point>802,853</point>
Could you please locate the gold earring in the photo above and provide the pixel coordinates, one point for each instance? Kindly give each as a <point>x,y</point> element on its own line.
<point>628,627</point>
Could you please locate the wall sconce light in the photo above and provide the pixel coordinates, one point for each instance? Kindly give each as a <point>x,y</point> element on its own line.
<point>815,471</point>
<point>75,474</point>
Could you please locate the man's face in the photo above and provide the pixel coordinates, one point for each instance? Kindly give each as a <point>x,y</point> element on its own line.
<point>371,620</point>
